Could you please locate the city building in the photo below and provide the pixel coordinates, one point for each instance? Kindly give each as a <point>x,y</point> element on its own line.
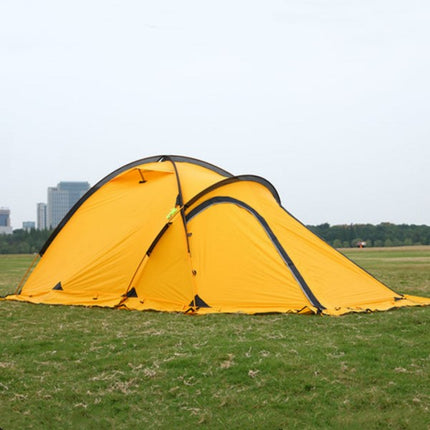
<point>41,216</point>
<point>5,227</point>
<point>28,225</point>
<point>62,198</point>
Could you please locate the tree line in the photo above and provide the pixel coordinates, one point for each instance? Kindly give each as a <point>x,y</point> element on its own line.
<point>339,236</point>
<point>23,241</point>
<point>384,234</point>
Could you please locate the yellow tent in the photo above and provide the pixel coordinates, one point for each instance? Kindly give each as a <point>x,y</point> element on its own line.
<point>172,233</point>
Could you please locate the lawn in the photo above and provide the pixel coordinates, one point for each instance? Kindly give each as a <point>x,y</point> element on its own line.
<point>74,367</point>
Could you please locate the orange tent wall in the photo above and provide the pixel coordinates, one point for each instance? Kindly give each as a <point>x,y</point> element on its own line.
<point>177,234</point>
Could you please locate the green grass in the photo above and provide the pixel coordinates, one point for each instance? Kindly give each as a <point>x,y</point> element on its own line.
<point>404,269</point>
<point>73,367</point>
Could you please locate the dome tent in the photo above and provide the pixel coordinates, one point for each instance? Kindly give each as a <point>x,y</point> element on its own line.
<point>172,233</point>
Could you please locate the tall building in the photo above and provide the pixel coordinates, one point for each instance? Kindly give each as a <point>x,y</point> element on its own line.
<point>41,216</point>
<point>28,225</point>
<point>62,198</point>
<point>5,227</point>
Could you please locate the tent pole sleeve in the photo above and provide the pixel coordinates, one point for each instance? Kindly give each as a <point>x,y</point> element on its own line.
<point>180,202</point>
<point>287,260</point>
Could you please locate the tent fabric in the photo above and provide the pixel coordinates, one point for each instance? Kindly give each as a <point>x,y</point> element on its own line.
<point>172,233</point>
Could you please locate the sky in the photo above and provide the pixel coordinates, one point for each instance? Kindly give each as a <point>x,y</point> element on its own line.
<point>329,100</point>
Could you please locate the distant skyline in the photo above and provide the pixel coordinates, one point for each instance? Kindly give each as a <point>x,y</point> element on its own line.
<point>327,100</point>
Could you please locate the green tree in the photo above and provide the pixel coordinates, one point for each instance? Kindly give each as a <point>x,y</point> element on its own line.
<point>388,242</point>
<point>337,243</point>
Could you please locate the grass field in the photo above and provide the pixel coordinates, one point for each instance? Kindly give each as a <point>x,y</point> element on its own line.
<point>73,367</point>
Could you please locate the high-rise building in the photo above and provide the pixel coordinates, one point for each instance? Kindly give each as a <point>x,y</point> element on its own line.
<point>62,198</point>
<point>41,216</point>
<point>28,225</point>
<point>5,227</point>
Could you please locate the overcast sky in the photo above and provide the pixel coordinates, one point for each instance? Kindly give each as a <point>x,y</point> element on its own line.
<point>329,100</point>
